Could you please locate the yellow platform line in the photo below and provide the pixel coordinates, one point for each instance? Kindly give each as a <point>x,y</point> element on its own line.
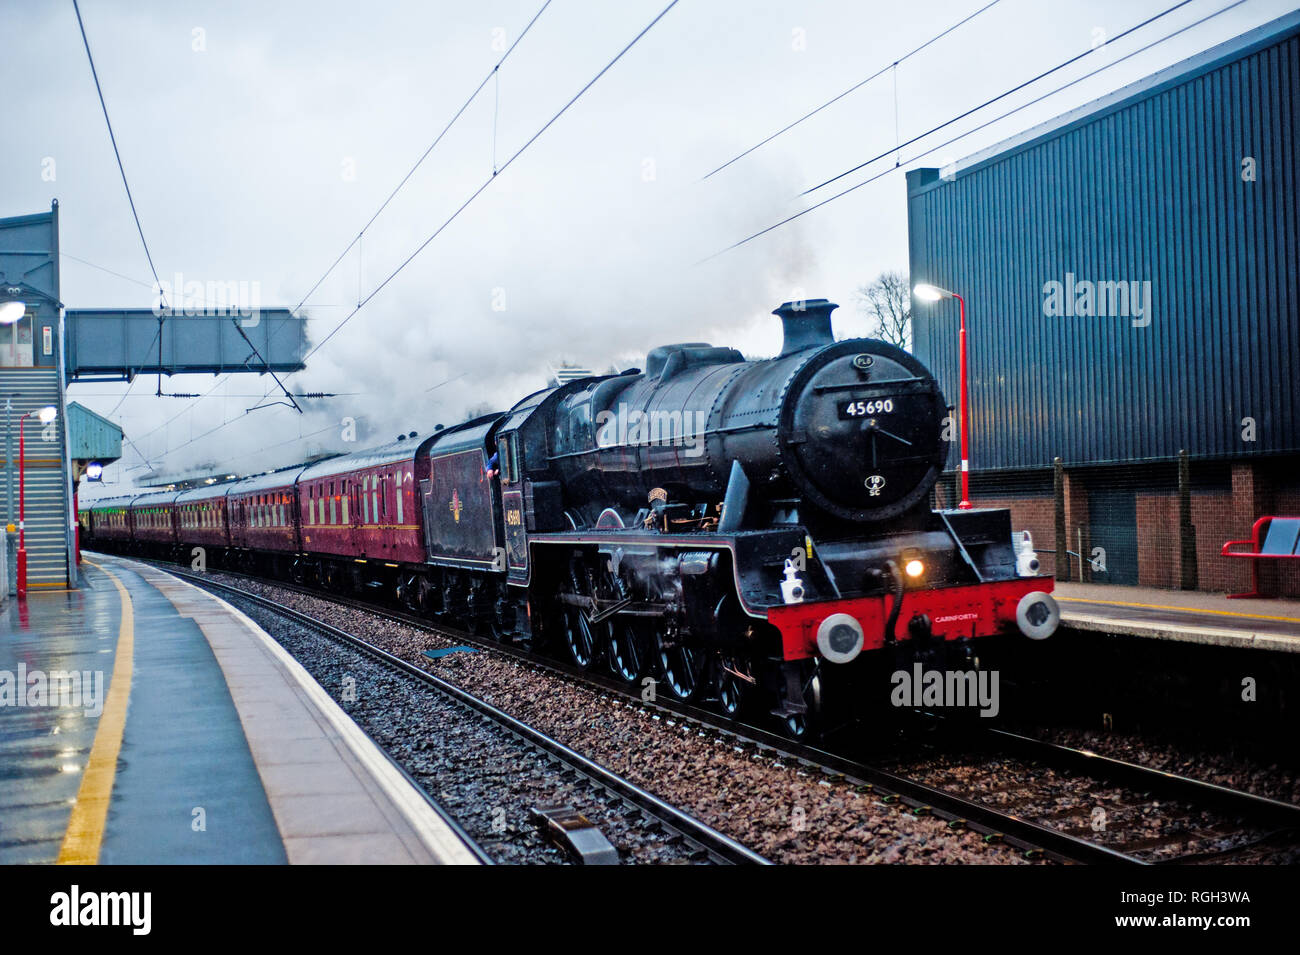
<point>85,830</point>
<point>1220,613</point>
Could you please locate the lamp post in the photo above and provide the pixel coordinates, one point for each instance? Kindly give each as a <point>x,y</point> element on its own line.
<point>46,415</point>
<point>932,293</point>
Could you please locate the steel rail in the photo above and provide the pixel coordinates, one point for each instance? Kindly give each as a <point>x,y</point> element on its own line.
<point>995,825</point>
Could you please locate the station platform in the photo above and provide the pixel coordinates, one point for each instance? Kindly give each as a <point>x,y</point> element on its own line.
<point>145,721</point>
<point>1181,615</point>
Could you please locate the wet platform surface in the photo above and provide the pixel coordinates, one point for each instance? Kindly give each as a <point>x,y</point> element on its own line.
<point>1187,616</point>
<point>187,736</point>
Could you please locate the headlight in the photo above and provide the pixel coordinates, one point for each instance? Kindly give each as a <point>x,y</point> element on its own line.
<point>914,568</point>
<point>840,638</point>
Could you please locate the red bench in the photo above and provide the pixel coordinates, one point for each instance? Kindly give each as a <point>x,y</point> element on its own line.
<point>1272,538</point>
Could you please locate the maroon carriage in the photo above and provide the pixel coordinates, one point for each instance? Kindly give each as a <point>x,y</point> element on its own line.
<point>202,519</point>
<point>153,522</point>
<point>260,514</point>
<point>362,508</point>
<point>108,521</point>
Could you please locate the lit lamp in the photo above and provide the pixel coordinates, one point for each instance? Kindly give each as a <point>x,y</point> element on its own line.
<point>46,415</point>
<point>932,293</point>
<point>11,312</point>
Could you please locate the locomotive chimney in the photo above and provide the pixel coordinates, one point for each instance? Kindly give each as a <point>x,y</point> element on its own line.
<point>807,324</point>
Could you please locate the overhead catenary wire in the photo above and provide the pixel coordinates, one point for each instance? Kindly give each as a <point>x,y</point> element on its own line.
<point>933,149</point>
<point>852,89</point>
<point>425,155</point>
<point>121,168</point>
<point>492,178</point>
<point>474,195</point>
<point>358,238</point>
<point>99,90</point>
<point>135,215</point>
<point>989,102</point>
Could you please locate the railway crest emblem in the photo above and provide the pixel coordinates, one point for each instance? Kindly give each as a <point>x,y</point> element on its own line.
<point>456,505</point>
<point>875,484</point>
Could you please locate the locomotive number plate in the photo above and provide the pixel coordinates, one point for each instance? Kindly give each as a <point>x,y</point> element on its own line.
<point>853,410</point>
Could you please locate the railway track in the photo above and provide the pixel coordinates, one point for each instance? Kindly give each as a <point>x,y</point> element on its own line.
<point>1136,796</point>
<point>1035,833</point>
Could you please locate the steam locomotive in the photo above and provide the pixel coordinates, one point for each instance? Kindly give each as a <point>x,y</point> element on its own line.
<point>743,533</point>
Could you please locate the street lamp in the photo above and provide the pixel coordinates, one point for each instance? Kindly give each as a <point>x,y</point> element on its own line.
<point>932,293</point>
<point>46,415</point>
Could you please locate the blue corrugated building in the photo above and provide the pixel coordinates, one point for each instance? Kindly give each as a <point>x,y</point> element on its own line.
<point>1132,274</point>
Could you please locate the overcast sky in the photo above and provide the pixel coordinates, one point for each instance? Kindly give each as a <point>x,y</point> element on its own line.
<point>260,136</point>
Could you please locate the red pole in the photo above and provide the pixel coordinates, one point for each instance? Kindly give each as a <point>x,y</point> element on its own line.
<point>22,511</point>
<point>965,412</point>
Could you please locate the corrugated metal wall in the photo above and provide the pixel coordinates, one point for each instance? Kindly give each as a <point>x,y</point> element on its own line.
<point>91,436</point>
<point>1147,188</point>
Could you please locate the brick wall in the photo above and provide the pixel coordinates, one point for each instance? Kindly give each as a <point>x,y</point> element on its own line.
<point>1219,513</point>
<point>1214,516</point>
<point>1157,525</point>
<point>1033,514</point>
<point>1285,575</point>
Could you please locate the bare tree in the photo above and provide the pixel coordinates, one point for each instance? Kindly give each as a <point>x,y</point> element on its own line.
<point>887,302</point>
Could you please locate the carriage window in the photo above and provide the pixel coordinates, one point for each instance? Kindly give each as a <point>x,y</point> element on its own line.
<point>333,505</point>
<point>374,496</point>
<point>345,502</point>
<point>365,500</point>
<point>397,489</point>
